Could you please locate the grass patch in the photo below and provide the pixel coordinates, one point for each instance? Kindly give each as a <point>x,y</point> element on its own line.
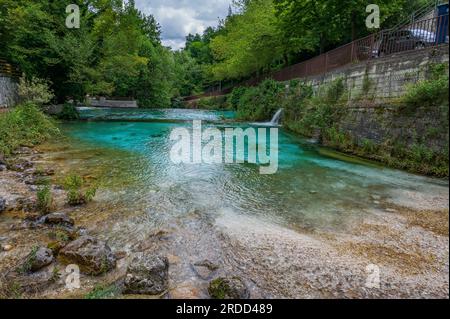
<point>77,194</point>
<point>24,125</point>
<point>103,292</point>
<point>44,199</point>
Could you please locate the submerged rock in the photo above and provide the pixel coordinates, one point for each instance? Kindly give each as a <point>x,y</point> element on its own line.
<point>228,288</point>
<point>58,219</point>
<point>147,275</point>
<point>93,256</point>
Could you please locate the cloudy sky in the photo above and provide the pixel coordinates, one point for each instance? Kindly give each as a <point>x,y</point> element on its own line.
<point>178,18</point>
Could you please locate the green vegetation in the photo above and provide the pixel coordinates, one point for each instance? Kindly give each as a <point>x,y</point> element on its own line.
<point>431,92</point>
<point>44,199</point>
<point>59,235</point>
<point>213,103</point>
<point>24,125</point>
<point>35,90</point>
<point>103,292</point>
<point>319,114</point>
<point>10,290</point>
<point>29,260</point>
<point>259,36</point>
<point>258,103</point>
<point>68,113</point>
<point>116,52</point>
<point>77,194</point>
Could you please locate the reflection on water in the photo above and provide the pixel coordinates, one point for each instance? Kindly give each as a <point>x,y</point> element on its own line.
<point>310,190</point>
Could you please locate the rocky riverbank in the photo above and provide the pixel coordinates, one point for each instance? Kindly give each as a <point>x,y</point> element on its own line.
<point>40,251</point>
<point>399,249</point>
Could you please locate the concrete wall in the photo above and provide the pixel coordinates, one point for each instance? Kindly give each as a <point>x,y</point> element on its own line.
<point>375,117</point>
<point>387,77</point>
<point>102,102</point>
<point>8,91</point>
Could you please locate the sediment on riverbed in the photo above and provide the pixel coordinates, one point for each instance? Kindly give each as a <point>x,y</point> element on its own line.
<point>406,241</point>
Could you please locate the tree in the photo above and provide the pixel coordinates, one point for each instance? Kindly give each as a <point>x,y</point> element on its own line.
<point>250,42</point>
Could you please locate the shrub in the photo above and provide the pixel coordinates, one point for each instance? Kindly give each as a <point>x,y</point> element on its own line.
<point>235,96</point>
<point>35,90</point>
<point>426,93</point>
<point>69,113</point>
<point>334,91</point>
<point>76,194</point>
<point>432,92</point>
<point>24,125</point>
<point>44,199</point>
<point>213,103</point>
<point>260,103</point>
<point>29,260</point>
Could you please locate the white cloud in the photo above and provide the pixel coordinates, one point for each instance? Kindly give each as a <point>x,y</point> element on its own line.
<point>178,18</point>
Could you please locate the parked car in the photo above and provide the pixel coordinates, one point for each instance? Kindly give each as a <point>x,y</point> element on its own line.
<point>404,40</point>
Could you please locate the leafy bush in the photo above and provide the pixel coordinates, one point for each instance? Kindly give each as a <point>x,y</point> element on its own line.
<point>35,90</point>
<point>76,194</point>
<point>235,96</point>
<point>213,103</point>
<point>44,199</point>
<point>260,103</point>
<point>68,113</point>
<point>427,93</point>
<point>25,125</point>
<point>432,92</point>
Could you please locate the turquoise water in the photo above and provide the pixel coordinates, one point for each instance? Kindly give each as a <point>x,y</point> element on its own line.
<point>310,190</point>
<point>90,113</point>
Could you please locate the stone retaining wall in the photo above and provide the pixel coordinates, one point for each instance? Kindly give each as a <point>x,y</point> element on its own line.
<point>8,91</point>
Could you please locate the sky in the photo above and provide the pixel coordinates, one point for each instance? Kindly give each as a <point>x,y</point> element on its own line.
<point>178,18</point>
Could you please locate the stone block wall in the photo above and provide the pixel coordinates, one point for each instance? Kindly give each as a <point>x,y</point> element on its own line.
<point>384,79</point>
<point>8,91</point>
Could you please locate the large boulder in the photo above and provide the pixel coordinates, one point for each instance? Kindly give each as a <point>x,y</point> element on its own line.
<point>58,219</point>
<point>228,288</point>
<point>37,259</point>
<point>147,275</point>
<point>93,256</point>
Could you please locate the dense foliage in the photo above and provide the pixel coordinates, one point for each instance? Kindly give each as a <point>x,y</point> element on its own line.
<point>116,52</point>
<point>263,35</point>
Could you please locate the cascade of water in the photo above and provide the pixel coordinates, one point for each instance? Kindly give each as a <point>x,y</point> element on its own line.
<point>276,118</point>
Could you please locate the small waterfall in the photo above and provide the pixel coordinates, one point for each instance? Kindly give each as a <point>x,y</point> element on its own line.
<point>276,118</point>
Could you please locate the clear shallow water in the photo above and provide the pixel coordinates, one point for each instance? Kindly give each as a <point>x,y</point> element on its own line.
<point>310,191</point>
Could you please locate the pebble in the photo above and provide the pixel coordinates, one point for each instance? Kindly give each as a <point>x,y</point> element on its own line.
<point>7,247</point>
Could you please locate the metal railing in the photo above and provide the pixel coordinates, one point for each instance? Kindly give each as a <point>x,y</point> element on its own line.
<point>416,35</point>
<point>9,70</point>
